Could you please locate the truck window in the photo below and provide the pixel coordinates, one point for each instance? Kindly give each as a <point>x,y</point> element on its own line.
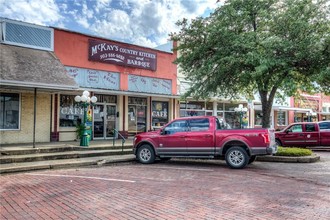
<point>324,125</point>
<point>310,127</point>
<point>176,126</point>
<point>201,124</point>
<point>296,128</point>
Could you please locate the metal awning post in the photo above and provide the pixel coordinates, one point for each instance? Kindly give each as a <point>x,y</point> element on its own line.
<point>34,117</point>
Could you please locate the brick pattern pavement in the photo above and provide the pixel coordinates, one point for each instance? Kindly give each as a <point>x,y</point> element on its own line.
<point>161,191</point>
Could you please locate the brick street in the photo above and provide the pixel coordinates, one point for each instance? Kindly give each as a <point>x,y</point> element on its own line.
<point>177,189</point>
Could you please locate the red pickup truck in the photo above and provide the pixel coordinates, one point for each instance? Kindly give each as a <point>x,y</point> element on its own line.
<point>204,137</point>
<point>304,134</point>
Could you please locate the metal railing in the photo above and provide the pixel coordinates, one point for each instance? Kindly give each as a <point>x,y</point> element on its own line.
<point>115,131</point>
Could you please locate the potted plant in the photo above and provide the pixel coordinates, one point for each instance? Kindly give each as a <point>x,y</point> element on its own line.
<point>79,131</point>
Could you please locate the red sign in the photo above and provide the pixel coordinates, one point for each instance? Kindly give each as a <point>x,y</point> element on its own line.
<point>101,51</point>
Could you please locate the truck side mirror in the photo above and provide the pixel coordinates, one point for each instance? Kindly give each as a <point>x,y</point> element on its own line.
<point>288,131</point>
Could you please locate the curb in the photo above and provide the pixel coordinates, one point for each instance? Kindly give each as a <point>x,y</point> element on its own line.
<point>307,159</point>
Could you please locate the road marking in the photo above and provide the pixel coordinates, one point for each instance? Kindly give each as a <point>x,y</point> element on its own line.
<point>174,168</point>
<point>82,177</point>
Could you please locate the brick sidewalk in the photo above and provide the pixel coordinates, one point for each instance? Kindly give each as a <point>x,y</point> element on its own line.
<point>172,190</point>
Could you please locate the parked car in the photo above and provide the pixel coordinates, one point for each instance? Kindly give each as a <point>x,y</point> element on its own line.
<point>304,134</point>
<point>204,137</point>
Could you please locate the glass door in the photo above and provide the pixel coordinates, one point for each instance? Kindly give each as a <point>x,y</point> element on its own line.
<point>104,121</point>
<point>98,130</point>
<point>110,122</point>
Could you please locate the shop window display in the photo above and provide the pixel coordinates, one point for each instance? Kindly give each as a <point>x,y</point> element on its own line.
<point>71,114</point>
<point>159,114</point>
<point>137,115</point>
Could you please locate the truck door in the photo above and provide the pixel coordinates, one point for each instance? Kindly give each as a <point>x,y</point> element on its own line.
<point>200,138</point>
<point>172,141</point>
<point>312,135</point>
<point>324,128</point>
<point>294,135</point>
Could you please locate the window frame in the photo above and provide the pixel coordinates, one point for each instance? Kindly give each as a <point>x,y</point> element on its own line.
<point>19,112</point>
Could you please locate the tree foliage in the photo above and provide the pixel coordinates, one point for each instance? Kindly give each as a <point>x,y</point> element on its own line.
<point>257,46</point>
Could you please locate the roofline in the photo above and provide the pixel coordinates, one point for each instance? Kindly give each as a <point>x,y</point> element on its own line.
<point>103,38</point>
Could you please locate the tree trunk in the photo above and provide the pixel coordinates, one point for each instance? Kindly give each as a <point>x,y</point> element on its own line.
<point>267,103</point>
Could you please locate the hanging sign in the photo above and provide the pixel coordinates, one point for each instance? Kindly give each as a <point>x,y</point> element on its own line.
<point>114,53</point>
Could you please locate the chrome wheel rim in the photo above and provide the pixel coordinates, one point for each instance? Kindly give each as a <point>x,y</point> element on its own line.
<point>145,154</point>
<point>236,157</point>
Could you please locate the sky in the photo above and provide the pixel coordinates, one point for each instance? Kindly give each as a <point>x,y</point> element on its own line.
<point>142,22</point>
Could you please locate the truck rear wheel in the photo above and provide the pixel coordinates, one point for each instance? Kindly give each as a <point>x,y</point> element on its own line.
<point>146,154</point>
<point>236,158</point>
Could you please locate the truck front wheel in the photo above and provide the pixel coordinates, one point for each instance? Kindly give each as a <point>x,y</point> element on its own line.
<point>236,158</point>
<point>146,154</point>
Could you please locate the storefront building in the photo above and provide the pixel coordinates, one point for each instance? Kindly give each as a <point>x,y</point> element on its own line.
<point>30,74</point>
<point>325,114</point>
<point>283,113</point>
<point>135,86</point>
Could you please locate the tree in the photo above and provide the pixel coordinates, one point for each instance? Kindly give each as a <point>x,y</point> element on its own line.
<point>257,46</point>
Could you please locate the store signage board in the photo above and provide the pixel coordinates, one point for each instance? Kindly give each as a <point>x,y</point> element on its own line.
<point>149,85</point>
<point>94,78</point>
<point>114,53</point>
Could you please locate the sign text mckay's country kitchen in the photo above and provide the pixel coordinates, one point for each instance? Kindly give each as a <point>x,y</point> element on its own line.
<point>113,53</point>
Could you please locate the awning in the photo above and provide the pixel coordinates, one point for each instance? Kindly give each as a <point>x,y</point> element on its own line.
<point>129,93</point>
<point>22,67</point>
<point>303,110</point>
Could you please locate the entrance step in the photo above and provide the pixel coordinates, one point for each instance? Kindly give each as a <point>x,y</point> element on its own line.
<point>57,155</point>
<point>61,155</point>
<point>64,163</point>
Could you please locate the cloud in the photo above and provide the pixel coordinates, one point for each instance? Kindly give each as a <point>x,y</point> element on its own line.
<point>36,11</point>
<point>144,22</point>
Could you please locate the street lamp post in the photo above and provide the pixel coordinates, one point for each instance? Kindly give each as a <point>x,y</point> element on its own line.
<point>241,110</point>
<point>85,101</point>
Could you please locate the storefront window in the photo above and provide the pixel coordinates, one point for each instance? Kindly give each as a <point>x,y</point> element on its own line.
<point>9,110</point>
<point>257,117</point>
<point>281,118</point>
<point>219,106</point>
<point>192,109</point>
<point>159,114</point>
<point>230,106</point>
<point>71,114</point>
<point>209,105</point>
<point>231,117</point>
<point>137,115</point>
